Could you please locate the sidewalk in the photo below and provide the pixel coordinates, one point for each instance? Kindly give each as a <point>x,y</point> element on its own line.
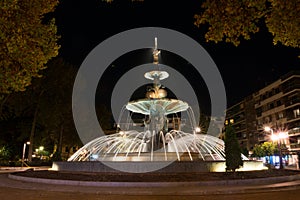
<point>4,169</point>
<point>179,188</point>
<point>291,167</point>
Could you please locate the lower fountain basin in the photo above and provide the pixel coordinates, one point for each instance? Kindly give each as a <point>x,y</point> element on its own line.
<point>135,167</point>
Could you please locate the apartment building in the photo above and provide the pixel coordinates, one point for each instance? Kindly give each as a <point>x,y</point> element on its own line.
<point>276,106</point>
<point>242,117</point>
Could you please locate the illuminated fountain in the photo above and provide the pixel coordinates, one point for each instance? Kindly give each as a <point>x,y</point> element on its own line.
<point>156,142</point>
<point>163,136</point>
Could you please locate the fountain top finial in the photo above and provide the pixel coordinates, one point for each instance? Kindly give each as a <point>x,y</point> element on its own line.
<point>156,75</point>
<point>156,52</point>
<point>156,91</point>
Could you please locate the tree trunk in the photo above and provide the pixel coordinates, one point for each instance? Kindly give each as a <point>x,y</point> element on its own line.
<point>2,104</point>
<point>31,138</point>
<point>60,138</point>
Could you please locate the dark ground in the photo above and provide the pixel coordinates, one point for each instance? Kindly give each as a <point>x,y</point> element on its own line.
<point>156,177</point>
<point>12,189</point>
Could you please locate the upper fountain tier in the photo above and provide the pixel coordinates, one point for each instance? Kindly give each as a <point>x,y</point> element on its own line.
<point>167,106</point>
<point>156,75</point>
<point>156,101</point>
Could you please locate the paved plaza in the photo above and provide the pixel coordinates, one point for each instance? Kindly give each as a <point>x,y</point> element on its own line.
<point>15,189</point>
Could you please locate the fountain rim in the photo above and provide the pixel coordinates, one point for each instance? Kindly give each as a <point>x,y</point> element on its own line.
<point>150,100</point>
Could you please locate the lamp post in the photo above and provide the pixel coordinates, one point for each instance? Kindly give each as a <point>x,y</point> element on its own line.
<point>24,149</point>
<point>278,137</point>
<point>281,135</point>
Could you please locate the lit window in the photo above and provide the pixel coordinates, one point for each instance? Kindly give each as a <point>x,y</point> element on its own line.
<point>231,121</point>
<point>226,122</point>
<point>297,113</point>
<point>280,115</point>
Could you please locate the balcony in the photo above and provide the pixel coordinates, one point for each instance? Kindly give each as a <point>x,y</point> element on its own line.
<point>295,146</point>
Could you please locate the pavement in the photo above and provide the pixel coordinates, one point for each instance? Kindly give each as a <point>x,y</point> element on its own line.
<point>8,180</point>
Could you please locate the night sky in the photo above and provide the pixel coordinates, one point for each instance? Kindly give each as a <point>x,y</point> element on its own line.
<point>244,69</point>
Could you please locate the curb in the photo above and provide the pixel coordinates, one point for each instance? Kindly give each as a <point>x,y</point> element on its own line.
<point>247,182</point>
<point>143,188</point>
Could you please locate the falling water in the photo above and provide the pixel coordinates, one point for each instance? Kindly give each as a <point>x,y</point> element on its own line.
<point>155,142</point>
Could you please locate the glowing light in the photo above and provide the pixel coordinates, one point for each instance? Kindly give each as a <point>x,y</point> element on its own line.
<point>145,145</point>
<point>122,133</point>
<point>274,137</point>
<point>94,156</point>
<point>267,128</point>
<point>283,135</point>
<point>162,93</point>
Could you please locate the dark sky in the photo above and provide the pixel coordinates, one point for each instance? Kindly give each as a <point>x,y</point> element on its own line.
<point>84,24</point>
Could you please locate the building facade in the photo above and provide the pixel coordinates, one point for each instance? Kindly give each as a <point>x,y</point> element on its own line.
<point>276,106</point>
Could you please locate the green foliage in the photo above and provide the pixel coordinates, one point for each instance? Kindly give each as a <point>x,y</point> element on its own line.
<point>264,149</point>
<point>283,21</point>
<point>53,95</point>
<point>232,20</point>
<point>27,41</point>
<point>258,151</point>
<point>5,153</point>
<point>232,150</point>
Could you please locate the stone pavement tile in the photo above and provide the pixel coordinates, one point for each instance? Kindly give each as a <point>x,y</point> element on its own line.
<point>173,190</point>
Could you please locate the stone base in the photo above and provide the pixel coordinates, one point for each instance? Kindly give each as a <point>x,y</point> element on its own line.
<point>154,166</point>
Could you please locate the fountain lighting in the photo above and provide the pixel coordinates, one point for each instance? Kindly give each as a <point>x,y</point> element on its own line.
<point>162,137</point>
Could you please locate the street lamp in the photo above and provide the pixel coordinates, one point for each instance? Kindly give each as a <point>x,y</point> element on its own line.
<point>278,137</point>
<point>41,149</point>
<point>198,129</point>
<point>24,149</point>
<point>268,129</point>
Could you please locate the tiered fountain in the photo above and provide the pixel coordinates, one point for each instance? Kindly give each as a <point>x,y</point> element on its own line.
<point>163,144</point>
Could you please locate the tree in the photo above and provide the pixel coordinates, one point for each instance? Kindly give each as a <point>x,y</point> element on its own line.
<point>54,107</point>
<point>233,20</point>
<point>43,113</point>
<point>27,41</point>
<point>4,154</point>
<point>258,151</point>
<point>264,149</point>
<point>232,150</point>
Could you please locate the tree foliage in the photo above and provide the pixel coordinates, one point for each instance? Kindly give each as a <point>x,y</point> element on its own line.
<point>55,105</point>
<point>4,153</point>
<point>51,97</point>
<point>264,149</point>
<point>232,150</point>
<point>27,41</point>
<point>233,20</point>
